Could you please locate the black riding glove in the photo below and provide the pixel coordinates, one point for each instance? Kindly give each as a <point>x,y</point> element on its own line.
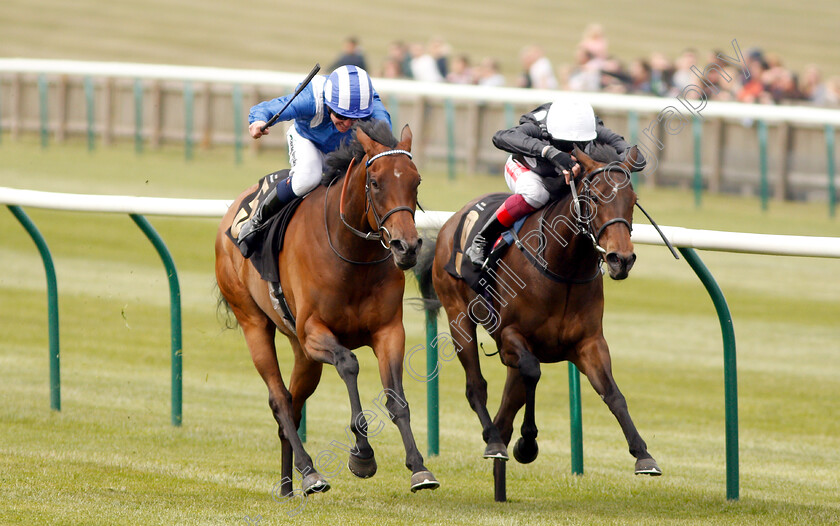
<point>561,160</point>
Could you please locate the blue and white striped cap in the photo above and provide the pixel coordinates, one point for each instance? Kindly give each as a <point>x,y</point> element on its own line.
<point>349,93</point>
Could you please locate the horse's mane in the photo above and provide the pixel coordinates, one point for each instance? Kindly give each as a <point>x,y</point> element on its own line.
<point>604,153</point>
<point>337,161</point>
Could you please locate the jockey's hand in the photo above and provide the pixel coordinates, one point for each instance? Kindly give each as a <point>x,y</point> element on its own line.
<point>255,131</point>
<point>574,173</point>
<point>562,161</point>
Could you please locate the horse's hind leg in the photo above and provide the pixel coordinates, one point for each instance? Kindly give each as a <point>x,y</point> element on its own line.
<point>462,328</point>
<point>322,346</point>
<point>520,388</point>
<point>389,346</point>
<point>594,361</point>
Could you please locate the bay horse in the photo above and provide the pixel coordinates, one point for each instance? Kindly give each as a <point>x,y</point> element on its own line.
<point>341,268</point>
<point>547,302</point>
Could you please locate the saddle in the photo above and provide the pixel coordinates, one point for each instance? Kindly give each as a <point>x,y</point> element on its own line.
<point>459,266</point>
<point>270,238</point>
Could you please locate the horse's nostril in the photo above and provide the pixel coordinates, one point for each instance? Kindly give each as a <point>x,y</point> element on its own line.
<point>399,246</point>
<point>613,258</point>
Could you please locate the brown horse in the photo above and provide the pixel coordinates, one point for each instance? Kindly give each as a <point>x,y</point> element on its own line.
<point>341,269</point>
<point>546,303</point>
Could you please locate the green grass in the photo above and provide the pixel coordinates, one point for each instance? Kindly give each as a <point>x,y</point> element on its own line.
<point>111,457</point>
<point>291,36</point>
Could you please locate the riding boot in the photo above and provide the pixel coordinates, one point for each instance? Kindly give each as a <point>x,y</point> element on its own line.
<point>477,251</point>
<point>513,209</point>
<point>274,201</point>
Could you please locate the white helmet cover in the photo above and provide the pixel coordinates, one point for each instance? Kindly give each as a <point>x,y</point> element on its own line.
<point>571,119</point>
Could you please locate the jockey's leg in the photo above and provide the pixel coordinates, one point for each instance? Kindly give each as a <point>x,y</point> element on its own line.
<point>529,195</point>
<point>307,166</point>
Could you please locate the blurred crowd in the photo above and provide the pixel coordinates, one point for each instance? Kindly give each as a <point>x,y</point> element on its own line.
<point>594,68</point>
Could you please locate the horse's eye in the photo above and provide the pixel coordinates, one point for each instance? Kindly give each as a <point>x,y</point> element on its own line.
<point>374,184</point>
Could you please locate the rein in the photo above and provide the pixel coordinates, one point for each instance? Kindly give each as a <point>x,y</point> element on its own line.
<point>381,230</point>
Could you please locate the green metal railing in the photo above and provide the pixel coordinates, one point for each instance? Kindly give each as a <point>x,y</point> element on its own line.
<point>52,304</point>
<point>52,310</point>
<point>575,420</point>
<point>175,313</point>
<point>432,392</point>
<point>730,371</point>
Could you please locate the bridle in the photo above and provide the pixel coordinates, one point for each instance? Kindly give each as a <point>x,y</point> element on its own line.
<point>586,224</point>
<point>381,233</point>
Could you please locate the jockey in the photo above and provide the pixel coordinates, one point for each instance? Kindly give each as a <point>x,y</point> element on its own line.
<point>540,148</point>
<point>323,114</point>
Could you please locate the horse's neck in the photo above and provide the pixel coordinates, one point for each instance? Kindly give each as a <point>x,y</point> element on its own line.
<point>568,249</point>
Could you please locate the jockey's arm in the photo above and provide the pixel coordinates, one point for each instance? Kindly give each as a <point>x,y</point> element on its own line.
<point>525,139</point>
<point>301,107</point>
<point>607,136</point>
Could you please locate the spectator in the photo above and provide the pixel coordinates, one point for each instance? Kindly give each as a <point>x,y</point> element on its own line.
<point>594,42</point>
<point>398,52</point>
<point>586,75</point>
<point>661,74</point>
<point>489,74</point>
<point>351,55</point>
<point>423,66</point>
<point>812,86</point>
<point>461,72</point>
<point>439,50</point>
<point>539,74</point>
<point>683,75</point>
<point>392,68</point>
<point>640,75</point>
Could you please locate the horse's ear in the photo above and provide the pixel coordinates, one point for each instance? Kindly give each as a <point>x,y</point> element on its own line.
<point>364,140</point>
<point>631,161</point>
<point>405,138</point>
<point>586,161</point>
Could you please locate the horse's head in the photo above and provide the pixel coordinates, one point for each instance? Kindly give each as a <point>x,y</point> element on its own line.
<point>607,207</point>
<point>392,181</point>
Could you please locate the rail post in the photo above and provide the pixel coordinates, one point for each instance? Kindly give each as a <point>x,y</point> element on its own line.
<point>175,313</point>
<point>730,371</point>
<point>52,304</point>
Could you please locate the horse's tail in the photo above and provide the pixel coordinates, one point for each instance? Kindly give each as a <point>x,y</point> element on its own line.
<point>423,273</point>
<point>223,311</point>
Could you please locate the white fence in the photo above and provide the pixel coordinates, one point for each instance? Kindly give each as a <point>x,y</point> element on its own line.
<point>778,150</point>
<point>812,246</point>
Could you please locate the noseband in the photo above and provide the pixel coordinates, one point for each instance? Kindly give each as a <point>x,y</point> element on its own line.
<point>381,233</point>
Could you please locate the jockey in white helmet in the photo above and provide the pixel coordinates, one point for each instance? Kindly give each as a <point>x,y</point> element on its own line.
<point>323,114</point>
<point>540,148</point>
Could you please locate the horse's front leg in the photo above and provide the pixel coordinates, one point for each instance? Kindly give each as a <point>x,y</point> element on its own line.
<point>389,347</point>
<point>594,361</point>
<point>321,345</point>
<point>520,387</point>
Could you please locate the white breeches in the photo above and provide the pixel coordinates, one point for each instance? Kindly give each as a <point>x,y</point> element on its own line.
<point>521,180</point>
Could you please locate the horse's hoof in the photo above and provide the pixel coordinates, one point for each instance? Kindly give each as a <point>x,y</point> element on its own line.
<point>525,452</point>
<point>314,483</point>
<point>364,468</point>
<point>496,450</point>
<point>647,466</point>
<point>423,480</point>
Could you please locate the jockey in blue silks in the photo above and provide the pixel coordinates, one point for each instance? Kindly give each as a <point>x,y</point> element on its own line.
<point>323,114</point>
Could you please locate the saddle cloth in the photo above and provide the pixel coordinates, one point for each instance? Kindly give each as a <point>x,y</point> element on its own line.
<point>270,237</point>
<point>471,222</point>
